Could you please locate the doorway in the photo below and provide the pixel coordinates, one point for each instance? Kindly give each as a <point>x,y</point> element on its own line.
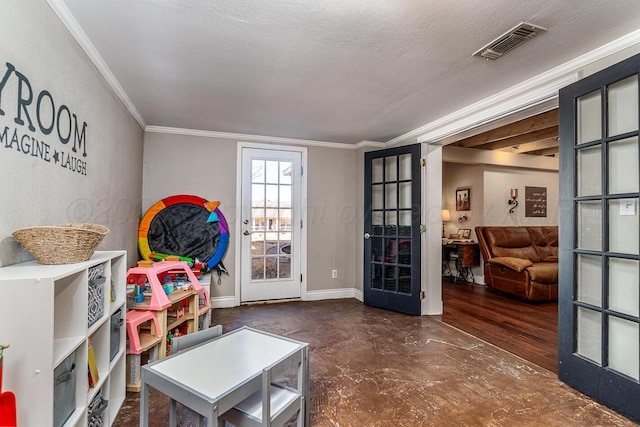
<point>528,330</point>
<point>272,187</point>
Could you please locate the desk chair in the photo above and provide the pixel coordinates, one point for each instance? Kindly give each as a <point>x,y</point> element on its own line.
<point>273,404</point>
<point>184,342</point>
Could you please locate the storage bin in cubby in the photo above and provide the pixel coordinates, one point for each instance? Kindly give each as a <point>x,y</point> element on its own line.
<point>64,390</point>
<point>95,410</point>
<point>116,329</point>
<point>96,300</point>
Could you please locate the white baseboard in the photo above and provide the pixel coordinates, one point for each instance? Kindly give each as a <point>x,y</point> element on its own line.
<point>333,294</point>
<point>229,301</point>
<point>223,302</point>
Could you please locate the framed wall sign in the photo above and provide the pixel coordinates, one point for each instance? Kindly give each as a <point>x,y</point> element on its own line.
<point>535,202</point>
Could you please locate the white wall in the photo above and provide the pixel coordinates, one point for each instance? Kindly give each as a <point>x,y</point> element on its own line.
<point>497,183</point>
<point>458,176</point>
<point>36,190</point>
<point>206,167</point>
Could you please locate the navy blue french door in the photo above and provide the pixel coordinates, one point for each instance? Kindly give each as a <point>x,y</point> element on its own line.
<point>392,229</point>
<point>599,297</point>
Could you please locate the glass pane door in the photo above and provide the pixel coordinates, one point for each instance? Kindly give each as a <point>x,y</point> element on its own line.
<point>392,230</point>
<point>608,229</point>
<point>599,350</point>
<point>271,226</point>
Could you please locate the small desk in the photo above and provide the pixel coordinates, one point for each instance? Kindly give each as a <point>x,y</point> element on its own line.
<point>213,377</point>
<point>466,256</point>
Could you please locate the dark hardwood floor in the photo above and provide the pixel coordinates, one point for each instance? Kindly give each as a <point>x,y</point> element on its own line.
<point>528,330</point>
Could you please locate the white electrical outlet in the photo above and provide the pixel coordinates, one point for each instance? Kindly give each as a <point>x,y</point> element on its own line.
<point>334,274</point>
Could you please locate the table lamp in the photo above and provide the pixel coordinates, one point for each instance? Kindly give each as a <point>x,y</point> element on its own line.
<point>446,217</point>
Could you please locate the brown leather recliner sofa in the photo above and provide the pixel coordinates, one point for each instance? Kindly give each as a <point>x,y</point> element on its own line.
<point>521,261</point>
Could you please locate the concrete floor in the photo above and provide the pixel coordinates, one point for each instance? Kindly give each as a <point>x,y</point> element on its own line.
<point>370,367</point>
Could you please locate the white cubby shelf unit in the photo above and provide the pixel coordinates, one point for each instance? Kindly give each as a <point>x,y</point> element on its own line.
<point>45,319</point>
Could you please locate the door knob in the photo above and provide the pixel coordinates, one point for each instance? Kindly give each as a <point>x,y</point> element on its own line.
<point>246,232</point>
<point>367,236</point>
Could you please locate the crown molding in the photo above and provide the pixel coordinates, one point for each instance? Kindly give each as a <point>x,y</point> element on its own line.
<point>539,90</point>
<point>494,108</point>
<point>76,31</point>
<point>252,138</point>
<point>374,144</point>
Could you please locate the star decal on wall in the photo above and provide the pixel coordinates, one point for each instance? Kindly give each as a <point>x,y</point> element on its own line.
<point>55,156</point>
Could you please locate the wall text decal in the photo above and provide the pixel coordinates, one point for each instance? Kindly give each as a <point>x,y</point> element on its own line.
<point>63,141</point>
<point>535,201</point>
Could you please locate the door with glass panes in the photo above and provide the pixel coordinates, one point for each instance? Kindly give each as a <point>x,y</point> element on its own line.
<point>392,229</point>
<point>271,224</point>
<point>599,301</point>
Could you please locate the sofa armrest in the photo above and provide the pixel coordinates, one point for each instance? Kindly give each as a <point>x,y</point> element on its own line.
<point>517,264</point>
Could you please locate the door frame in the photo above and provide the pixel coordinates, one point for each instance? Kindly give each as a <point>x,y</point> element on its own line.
<point>238,214</point>
<point>431,176</point>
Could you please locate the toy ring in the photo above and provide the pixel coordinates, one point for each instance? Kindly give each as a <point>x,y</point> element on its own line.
<point>184,225</point>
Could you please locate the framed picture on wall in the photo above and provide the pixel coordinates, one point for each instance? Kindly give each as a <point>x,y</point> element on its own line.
<point>463,199</point>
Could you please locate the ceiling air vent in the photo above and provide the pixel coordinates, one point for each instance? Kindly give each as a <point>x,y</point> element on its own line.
<point>510,40</point>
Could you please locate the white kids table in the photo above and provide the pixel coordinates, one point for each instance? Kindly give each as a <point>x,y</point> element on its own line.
<point>215,376</point>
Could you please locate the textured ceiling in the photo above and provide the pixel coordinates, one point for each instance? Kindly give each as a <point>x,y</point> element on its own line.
<point>330,70</point>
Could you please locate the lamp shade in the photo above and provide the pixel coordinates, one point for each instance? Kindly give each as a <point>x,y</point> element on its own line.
<point>446,215</point>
